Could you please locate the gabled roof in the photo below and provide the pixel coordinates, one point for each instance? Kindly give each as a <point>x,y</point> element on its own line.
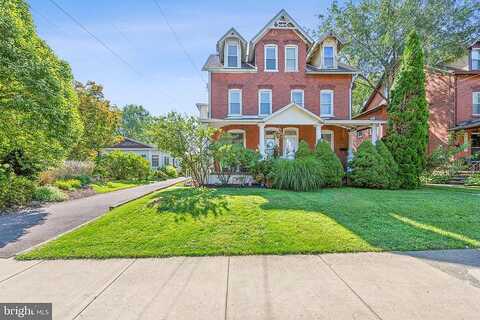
<point>322,38</point>
<point>229,34</point>
<point>474,43</point>
<point>129,143</point>
<point>282,20</point>
<point>289,112</point>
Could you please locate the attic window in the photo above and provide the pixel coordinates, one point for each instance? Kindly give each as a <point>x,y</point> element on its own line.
<point>476,59</point>
<point>232,55</point>
<point>328,58</point>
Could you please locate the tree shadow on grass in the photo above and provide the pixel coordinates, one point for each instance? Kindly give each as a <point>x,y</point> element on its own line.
<point>195,202</point>
<point>389,220</point>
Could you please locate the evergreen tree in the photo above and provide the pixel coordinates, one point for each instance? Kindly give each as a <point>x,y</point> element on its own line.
<point>331,167</point>
<point>391,167</point>
<point>368,168</point>
<point>303,150</point>
<point>408,115</point>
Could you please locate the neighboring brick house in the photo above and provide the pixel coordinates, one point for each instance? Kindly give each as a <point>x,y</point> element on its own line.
<point>453,95</point>
<point>280,88</point>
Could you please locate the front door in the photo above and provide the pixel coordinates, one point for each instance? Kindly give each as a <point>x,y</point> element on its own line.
<point>290,143</point>
<point>475,146</point>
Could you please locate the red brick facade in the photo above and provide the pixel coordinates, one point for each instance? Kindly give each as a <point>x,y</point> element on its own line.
<point>281,83</point>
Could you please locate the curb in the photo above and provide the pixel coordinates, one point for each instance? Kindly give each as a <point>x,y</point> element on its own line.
<point>96,218</point>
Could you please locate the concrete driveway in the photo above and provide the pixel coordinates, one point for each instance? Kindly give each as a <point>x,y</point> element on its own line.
<point>419,285</point>
<point>24,230</point>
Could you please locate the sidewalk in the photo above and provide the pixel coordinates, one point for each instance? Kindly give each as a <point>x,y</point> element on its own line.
<point>411,285</point>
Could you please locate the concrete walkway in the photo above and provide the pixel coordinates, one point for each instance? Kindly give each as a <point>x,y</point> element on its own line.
<point>24,230</point>
<point>419,285</point>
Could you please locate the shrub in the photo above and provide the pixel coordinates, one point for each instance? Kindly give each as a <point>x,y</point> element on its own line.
<point>262,171</point>
<point>68,184</point>
<point>303,174</point>
<point>170,171</point>
<point>303,150</point>
<point>15,190</point>
<point>84,180</point>
<point>68,170</point>
<point>473,180</point>
<point>331,167</point>
<point>437,177</point>
<point>120,165</point>
<point>390,164</point>
<point>49,194</point>
<point>368,168</point>
<point>159,175</point>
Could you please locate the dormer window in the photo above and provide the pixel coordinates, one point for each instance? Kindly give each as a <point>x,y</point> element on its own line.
<point>475,59</point>
<point>232,55</point>
<point>271,57</point>
<point>328,57</point>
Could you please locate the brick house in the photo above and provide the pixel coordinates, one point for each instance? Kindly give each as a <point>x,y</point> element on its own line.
<point>453,95</point>
<point>282,87</point>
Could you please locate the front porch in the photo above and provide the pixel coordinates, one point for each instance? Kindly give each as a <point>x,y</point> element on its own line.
<point>280,133</point>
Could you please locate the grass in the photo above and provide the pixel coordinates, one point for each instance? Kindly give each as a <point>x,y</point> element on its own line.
<point>114,186</point>
<point>234,221</point>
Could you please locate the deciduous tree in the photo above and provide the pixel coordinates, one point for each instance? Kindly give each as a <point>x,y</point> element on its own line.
<point>100,119</point>
<point>38,105</point>
<point>136,121</point>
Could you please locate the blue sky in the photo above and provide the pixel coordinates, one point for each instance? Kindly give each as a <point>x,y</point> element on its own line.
<point>139,34</point>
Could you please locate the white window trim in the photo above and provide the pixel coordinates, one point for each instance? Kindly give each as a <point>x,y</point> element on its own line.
<point>290,46</point>
<point>225,54</point>
<point>260,101</point>
<point>333,100</point>
<point>332,143</point>
<point>240,131</point>
<point>471,58</point>
<point>241,104</point>
<point>334,56</point>
<point>303,96</point>
<point>265,57</point>
<point>475,93</point>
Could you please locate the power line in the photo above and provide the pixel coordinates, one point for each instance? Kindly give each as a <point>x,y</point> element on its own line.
<point>177,39</point>
<point>103,44</point>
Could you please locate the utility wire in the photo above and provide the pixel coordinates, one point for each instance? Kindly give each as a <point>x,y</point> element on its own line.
<point>103,44</point>
<point>177,39</point>
<point>107,47</point>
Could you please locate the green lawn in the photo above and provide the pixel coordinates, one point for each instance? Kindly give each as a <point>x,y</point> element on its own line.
<point>235,221</point>
<point>114,186</point>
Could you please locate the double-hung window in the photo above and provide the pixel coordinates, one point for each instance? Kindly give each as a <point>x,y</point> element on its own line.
<point>475,59</point>
<point>264,102</point>
<point>291,58</point>
<point>155,160</point>
<point>232,55</point>
<point>328,57</point>
<point>296,96</point>
<point>326,103</point>
<point>476,103</point>
<point>271,57</point>
<point>234,102</point>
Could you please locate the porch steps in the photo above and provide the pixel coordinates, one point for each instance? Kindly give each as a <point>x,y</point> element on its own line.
<point>459,178</point>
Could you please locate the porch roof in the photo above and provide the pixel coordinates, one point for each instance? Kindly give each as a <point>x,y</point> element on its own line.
<point>470,124</point>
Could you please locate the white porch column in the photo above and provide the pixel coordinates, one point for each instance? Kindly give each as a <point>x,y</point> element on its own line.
<point>261,138</point>
<point>465,140</point>
<point>350,145</point>
<point>374,134</point>
<point>318,132</point>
